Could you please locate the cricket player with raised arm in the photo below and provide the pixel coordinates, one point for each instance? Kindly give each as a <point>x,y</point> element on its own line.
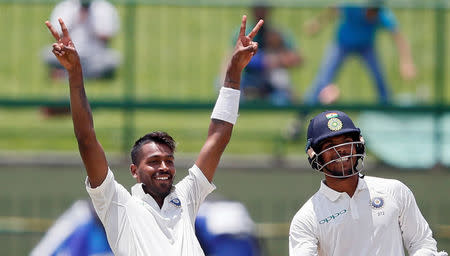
<point>353,214</point>
<point>157,218</point>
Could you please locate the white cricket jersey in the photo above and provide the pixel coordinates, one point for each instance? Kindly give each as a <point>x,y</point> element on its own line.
<point>135,225</point>
<point>380,218</point>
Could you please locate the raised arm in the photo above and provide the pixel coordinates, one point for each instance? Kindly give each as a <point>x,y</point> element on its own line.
<point>91,151</point>
<point>225,111</point>
<point>316,24</point>
<point>407,67</point>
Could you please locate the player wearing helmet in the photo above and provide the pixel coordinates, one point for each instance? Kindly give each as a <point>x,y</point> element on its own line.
<point>353,214</point>
<point>335,146</point>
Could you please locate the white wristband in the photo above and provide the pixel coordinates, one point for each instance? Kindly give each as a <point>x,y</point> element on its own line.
<point>227,105</point>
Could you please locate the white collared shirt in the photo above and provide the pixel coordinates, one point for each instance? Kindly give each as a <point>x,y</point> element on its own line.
<point>135,225</point>
<point>379,219</point>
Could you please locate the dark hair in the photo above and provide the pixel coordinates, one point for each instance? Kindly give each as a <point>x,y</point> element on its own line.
<point>157,137</point>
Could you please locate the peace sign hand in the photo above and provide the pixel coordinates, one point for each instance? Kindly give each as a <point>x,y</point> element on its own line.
<point>64,49</point>
<point>245,48</point>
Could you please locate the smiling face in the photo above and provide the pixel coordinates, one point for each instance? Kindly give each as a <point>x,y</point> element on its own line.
<point>155,169</point>
<point>337,155</point>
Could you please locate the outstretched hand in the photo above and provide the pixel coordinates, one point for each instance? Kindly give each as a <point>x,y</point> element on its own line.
<point>245,48</point>
<point>64,49</point>
<point>408,70</point>
<point>312,27</point>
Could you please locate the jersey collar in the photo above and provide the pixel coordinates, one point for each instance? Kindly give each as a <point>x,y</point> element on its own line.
<point>333,195</point>
<point>138,191</point>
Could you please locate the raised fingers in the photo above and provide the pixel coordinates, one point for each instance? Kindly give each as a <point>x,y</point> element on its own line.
<point>64,28</point>
<point>243,24</point>
<point>52,30</point>
<point>69,49</point>
<point>58,51</point>
<point>253,47</point>
<point>256,29</point>
<point>57,46</point>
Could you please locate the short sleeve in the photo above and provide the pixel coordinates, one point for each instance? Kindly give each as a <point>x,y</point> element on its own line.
<point>109,200</point>
<point>108,195</point>
<point>193,189</point>
<point>388,20</point>
<point>302,239</point>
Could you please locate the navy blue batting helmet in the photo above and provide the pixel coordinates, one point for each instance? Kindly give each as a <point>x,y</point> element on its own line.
<point>329,124</point>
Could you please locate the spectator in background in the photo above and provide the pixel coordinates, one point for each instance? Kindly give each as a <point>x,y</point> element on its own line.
<point>78,232</point>
<point>225,228</point>
<point>355,35</point>
<point>92,25</point>
<point>266,77</point>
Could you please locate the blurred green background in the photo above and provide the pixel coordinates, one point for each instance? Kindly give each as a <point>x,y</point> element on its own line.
<point>41,194</point>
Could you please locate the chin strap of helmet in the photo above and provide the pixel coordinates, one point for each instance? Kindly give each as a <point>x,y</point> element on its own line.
<point>312,158</point>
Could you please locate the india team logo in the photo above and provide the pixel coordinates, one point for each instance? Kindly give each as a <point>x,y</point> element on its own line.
<point>334,124</point>
<point>377,203</point>
<point>176,202</point>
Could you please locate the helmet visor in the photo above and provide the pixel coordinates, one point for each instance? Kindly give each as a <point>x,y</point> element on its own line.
<point>341,161</point>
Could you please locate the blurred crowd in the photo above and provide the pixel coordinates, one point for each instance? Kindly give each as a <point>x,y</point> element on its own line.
<point>94,23</point>
<point>222,227</point>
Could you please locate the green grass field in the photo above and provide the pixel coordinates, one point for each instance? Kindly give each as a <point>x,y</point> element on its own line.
<point>181,49</point>
<point>271,196</point>
<point>256,132</point>
<point>179,53</point>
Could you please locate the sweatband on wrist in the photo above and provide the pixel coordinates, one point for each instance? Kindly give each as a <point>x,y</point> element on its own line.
<point>227,105</point>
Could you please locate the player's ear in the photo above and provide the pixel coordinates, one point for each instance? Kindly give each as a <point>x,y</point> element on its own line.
<point>133,170</point>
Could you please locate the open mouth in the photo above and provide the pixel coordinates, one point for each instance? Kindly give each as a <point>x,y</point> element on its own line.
<point>163,177</point>
<point>343,159</point>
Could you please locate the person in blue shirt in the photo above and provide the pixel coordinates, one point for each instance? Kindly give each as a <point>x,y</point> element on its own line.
<point>266,77</point>
<point>355,35</point>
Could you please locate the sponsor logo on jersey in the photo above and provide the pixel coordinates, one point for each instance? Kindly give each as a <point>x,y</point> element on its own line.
<point>333,216</point>
<point>377,203</point>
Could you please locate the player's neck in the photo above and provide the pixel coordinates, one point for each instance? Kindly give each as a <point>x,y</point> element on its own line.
<point>159,201</point>
<point>158,198</point>
<point>347,185</point>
